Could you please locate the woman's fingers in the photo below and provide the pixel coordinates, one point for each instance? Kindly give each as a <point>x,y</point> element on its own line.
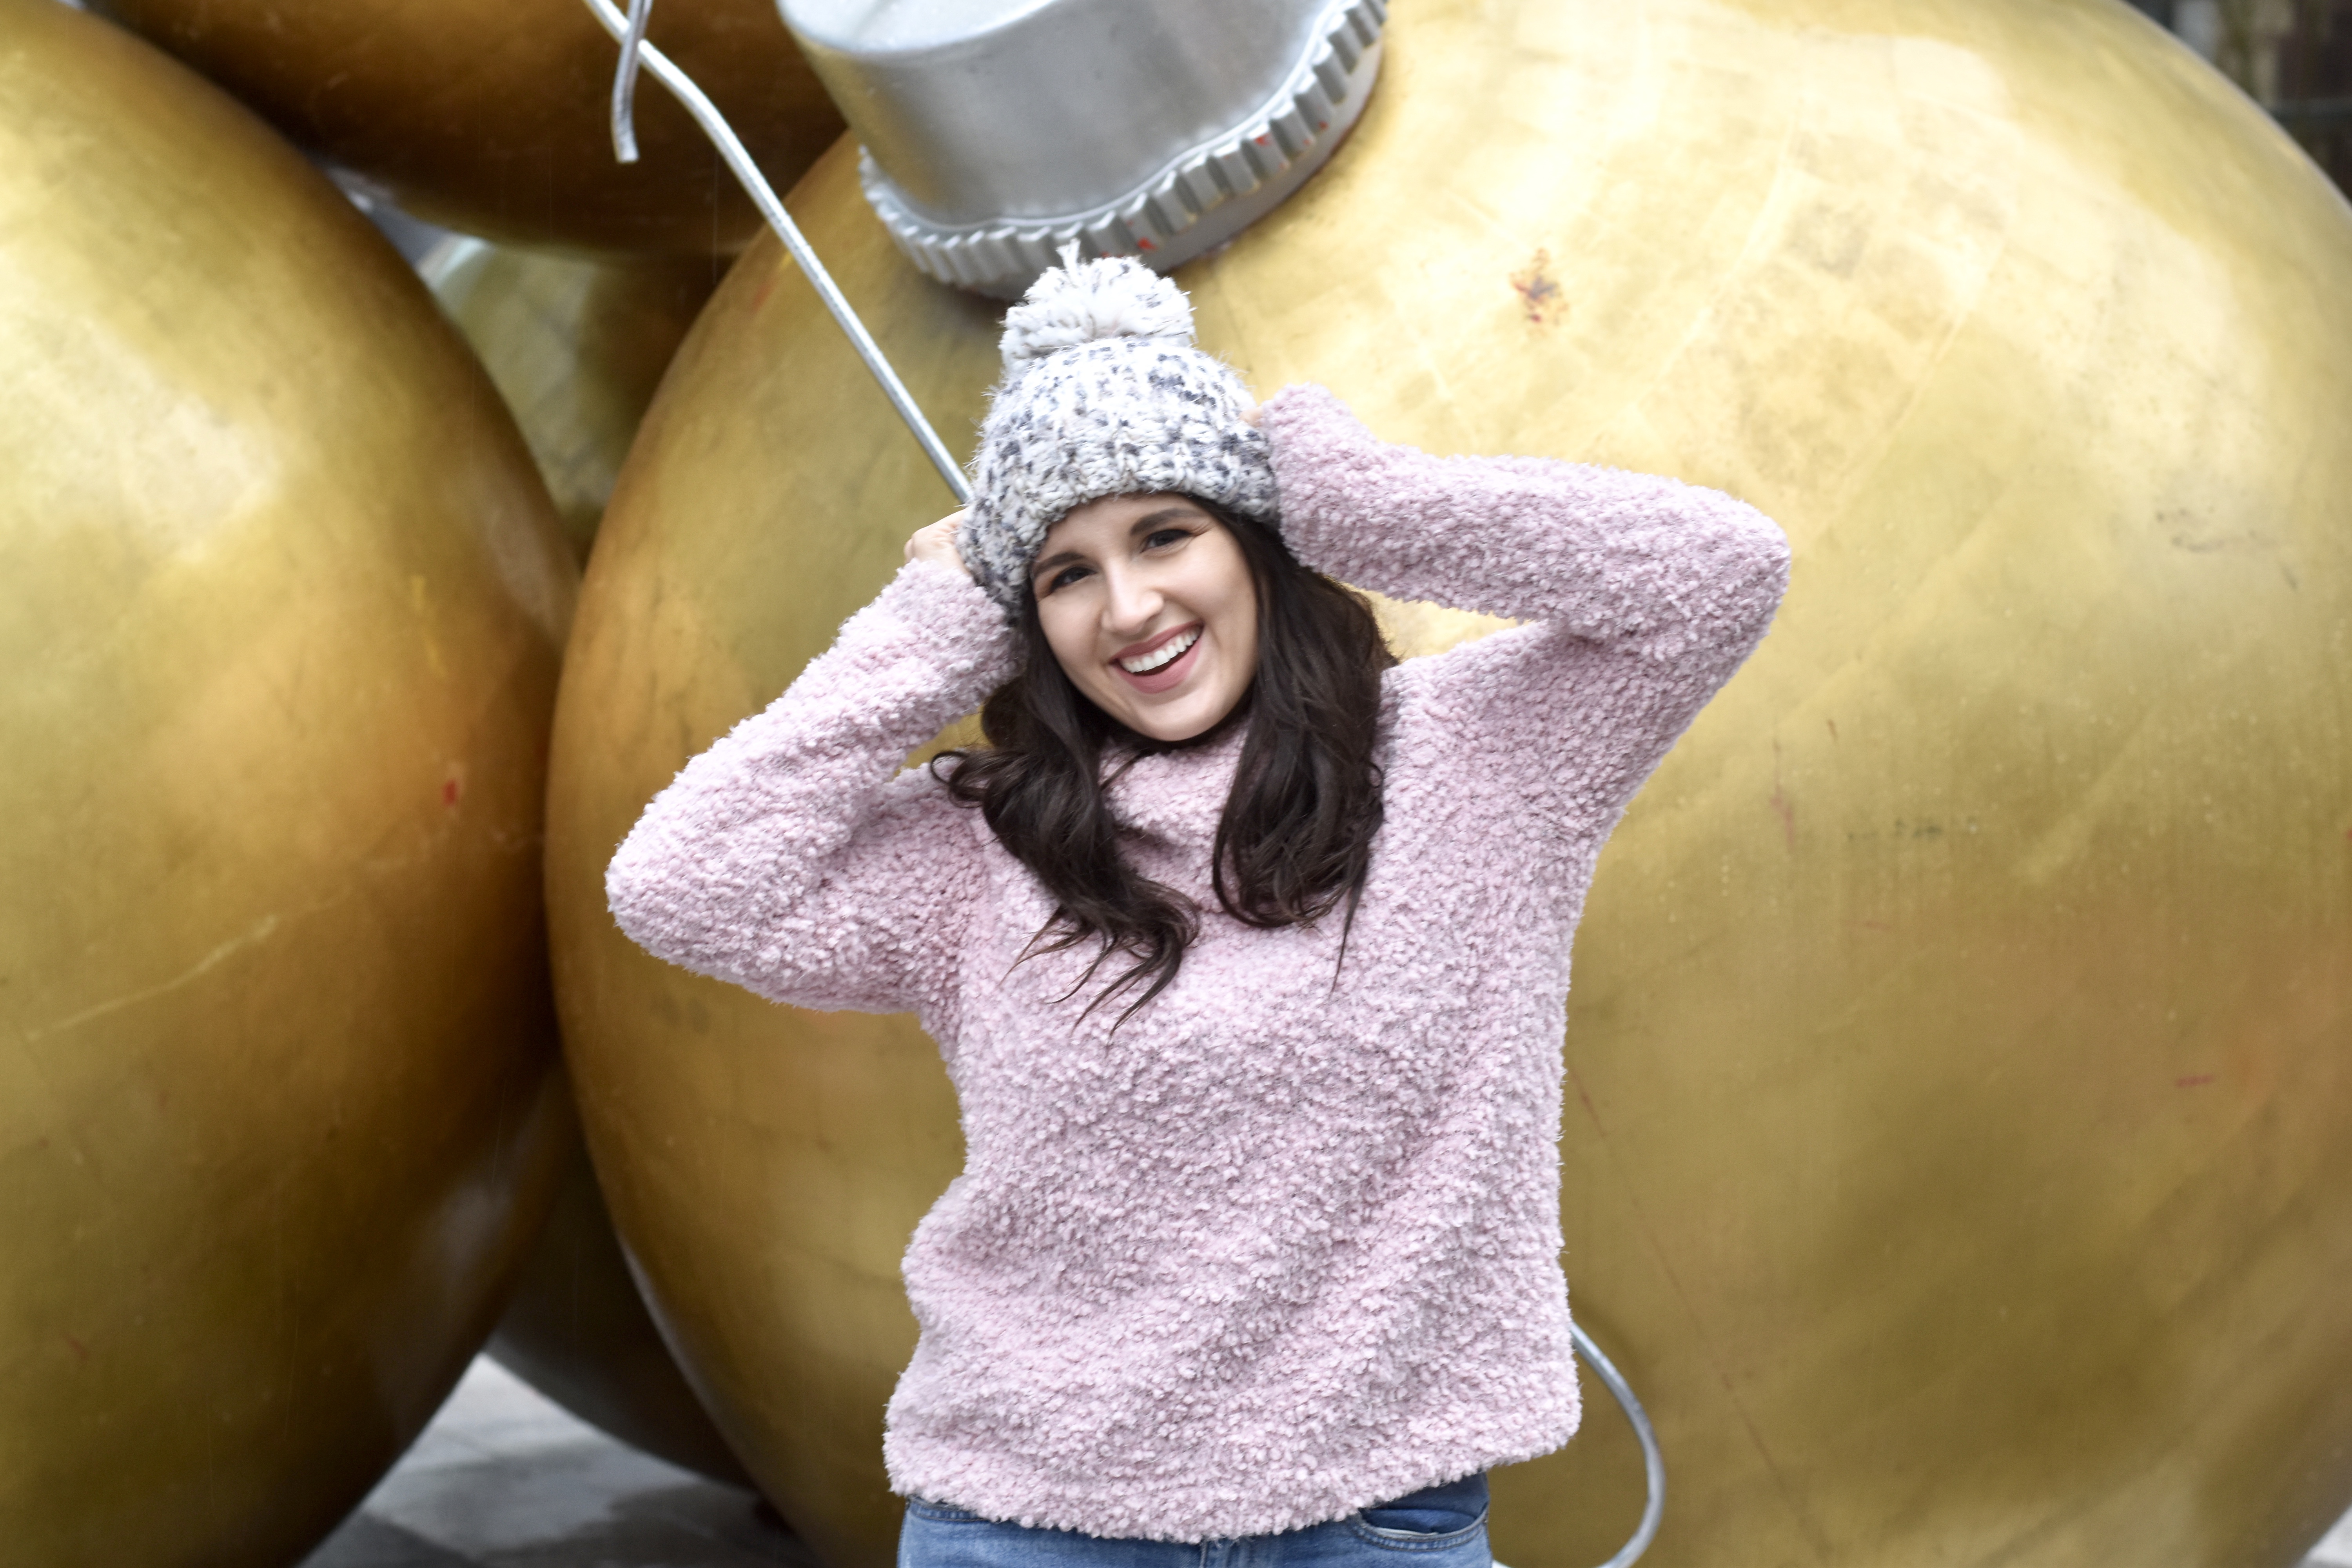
<point>935,542</point>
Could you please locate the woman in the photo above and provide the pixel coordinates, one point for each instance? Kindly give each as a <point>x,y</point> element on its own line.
<point>1246,948</point>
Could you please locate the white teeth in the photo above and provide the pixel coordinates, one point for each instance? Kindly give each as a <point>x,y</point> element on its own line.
<point>1174,648</point>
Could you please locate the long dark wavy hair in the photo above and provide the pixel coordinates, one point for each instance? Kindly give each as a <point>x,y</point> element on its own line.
<point>1294,839</point>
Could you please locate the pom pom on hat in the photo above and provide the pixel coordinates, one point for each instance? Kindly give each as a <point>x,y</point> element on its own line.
<point>1084,301</point>
<point>1104,394</point>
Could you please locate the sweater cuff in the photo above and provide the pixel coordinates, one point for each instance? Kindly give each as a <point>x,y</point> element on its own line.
<point>1307,425</point>
<point>1315,441</point>
<point>964,631</point>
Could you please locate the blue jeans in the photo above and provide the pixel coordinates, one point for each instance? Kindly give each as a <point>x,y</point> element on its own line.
<point>1440,1527</point>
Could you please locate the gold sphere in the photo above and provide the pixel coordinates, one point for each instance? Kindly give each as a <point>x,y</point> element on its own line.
<point>575,346</point>
<point>1959,1152</point>
<point>576,1329</point>
<point>494,119</point>
<point>281,602</point>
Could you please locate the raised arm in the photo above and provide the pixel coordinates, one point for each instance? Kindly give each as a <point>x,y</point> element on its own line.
<point>792,856</point>
<point>1642,595</point>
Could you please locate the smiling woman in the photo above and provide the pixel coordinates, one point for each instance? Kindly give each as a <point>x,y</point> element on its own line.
<point>1270,1248</point>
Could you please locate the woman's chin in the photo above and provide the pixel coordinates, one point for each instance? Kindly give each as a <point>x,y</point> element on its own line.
<point>1168,728</point>
<point>1189,717</point>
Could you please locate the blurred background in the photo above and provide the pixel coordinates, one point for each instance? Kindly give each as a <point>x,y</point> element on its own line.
<point>2291,57</point>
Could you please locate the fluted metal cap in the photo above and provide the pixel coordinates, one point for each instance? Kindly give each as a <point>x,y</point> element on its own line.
<point>994,131</point>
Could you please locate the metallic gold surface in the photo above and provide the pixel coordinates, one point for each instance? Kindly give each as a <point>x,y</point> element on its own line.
<point>576,1329</point>
<point>1958,1148</point>
<point>493,119</point>
<point>575,347</point>
<point>280,605</point>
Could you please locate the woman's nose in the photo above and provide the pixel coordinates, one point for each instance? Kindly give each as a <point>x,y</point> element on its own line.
<point>1131,604</point>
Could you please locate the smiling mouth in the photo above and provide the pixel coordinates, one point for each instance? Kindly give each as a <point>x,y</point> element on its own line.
<point>1166,653</point>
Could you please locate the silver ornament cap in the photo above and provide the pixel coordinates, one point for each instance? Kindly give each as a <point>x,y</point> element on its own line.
<point>996,131</point>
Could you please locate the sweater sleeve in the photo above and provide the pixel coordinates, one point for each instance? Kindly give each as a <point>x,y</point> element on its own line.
<point>1641,596</point>
<point>793,856</point>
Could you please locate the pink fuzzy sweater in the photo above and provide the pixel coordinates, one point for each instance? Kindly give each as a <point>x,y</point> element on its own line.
<point>1273,1252</point>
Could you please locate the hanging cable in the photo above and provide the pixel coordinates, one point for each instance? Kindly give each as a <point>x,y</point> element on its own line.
<point>1653,1463</point>
<point>763,195</point>
<point>624,83</point>
<point>630,31</point>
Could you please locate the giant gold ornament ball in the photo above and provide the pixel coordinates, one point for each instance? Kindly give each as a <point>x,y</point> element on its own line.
<point>1959,1145</point>
<point>494,119</point>
<point>280,606</point>
<point>576,1329</point>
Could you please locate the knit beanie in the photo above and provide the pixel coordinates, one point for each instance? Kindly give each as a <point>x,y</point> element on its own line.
<point>1103,393</point>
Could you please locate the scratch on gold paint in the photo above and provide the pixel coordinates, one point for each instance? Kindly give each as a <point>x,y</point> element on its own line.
<point>260,932</point>
<point>417,599</point>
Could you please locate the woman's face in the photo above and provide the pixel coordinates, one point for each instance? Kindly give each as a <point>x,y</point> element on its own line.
<point>1151,610</point>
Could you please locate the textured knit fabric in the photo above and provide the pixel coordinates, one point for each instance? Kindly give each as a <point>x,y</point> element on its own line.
<point>1275,1250</point>
<point>1103,395</point>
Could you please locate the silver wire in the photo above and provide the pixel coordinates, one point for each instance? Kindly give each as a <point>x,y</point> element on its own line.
<point>763,195</point>
<point>1653,1463</point>
<point>624,83</point>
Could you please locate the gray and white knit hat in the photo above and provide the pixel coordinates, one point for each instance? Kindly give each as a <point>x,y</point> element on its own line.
<point>1104,394</point>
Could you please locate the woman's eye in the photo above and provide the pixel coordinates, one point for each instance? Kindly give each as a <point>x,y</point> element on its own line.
<point>1161,539</point>
<point>1065,577</point>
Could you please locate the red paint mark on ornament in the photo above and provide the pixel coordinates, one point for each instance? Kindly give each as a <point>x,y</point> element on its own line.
<point>1539,293</point>
<point>1589,1109</point>
<point>2194,1080</point>
<point>450,790</point>
<point>1145,245</point>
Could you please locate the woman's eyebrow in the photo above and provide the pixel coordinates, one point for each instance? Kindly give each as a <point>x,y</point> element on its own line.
<point>1151,520</point>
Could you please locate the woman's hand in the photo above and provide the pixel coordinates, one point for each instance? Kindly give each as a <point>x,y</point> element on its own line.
<point>936,544</point>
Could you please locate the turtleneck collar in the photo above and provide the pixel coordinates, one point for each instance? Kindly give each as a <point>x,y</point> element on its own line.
<point>1175,796</point>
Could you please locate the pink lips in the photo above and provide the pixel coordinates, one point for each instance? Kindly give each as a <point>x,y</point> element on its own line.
<point>1168,676</point>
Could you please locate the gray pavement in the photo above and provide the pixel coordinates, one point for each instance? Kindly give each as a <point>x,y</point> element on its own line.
<point>2335,1551</point>
<point>503,1478</point>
